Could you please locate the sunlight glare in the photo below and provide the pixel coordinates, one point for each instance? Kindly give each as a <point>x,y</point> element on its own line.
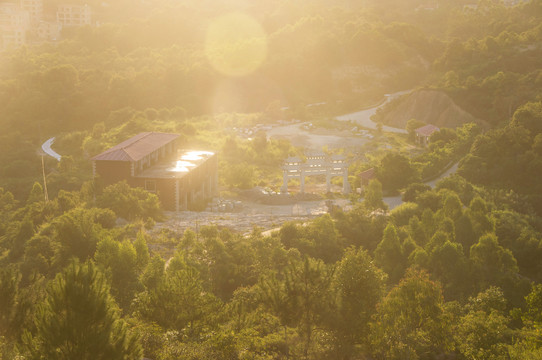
<point>236,44</point>
<point>195,155</point>
<point>182,166</point>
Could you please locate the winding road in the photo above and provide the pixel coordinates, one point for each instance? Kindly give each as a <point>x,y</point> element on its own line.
<point>363,117</point>
<point>394,201</point>
<point>46,147</point>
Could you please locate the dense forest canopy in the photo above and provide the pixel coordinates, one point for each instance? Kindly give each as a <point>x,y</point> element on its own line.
<point>455,271</point>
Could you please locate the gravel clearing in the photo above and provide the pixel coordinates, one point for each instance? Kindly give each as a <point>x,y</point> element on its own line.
<point>251,215</point>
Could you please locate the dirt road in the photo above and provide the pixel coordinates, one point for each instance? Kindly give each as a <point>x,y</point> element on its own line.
<point>316,139</point>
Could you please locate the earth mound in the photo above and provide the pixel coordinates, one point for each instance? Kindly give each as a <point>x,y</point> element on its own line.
<point>430,106</point>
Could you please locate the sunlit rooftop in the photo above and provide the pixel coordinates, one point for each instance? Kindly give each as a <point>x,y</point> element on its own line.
<point>184,162</point>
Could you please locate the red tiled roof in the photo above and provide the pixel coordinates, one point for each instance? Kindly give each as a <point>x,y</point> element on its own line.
<point>368,174</point>
<point>427,130</point>
<point>137,147</point>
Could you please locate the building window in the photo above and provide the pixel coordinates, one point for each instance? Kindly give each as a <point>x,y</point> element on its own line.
<point>150,186</point>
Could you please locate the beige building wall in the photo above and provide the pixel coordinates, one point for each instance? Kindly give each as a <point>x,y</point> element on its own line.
<point>34,9</point>
<point>49,31</point>
<point>14,23</point>
<point>74,15</point>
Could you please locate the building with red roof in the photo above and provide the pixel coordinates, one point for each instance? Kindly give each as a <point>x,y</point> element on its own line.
<point>424,133</point>
<point>153,161</point>
<point>366,176</point>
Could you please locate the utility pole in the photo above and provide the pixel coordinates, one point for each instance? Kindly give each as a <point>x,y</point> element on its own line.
<point>44,180</point>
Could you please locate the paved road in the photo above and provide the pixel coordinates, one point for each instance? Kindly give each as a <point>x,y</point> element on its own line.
<point>363,117</point>
<point>317,138</point>
<point>394,201</point>
<point>46,147</point>
<point>448,172</point>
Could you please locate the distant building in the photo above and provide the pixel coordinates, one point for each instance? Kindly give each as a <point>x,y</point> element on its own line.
<point>49,31</point>
<point>317,163</point>
<point>74,15</point>
<point>34,9</point>
<point>21,20</point>
<point>14,23</point>
<point>428,6</point>
<point>470,7</point>
<point>366,176</point>
<point>424,133</point>
<point>510,3</point>
<point>153,161</point>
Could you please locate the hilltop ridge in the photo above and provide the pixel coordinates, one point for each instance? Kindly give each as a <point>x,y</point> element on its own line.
<point>430,106</point>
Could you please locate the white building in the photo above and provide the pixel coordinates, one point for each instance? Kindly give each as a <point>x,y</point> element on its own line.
<point>34,9</point>
<point>49,31</point>
<point>24,20</point>
<point>510,3</point>
<point>74,15</point>
<point>14,23</point>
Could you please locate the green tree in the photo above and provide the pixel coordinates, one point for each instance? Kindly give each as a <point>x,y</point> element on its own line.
<point>9,289</point>
<point>38,257</point>
<point>452,206</point>
<point>389,255</point>
<point>307,284</point>
<point>177,302</point>
<point>272,293</point>
<point>483,331</point>
<point>142,251</point>
<point>533,314</point>
<point>79,320</point>
<point>529,116</point>
<point>20,233</point>
<point>373,196</point>
<point>411,321</point>
<point>478,213</point>
<point>449,265</point>
<point>78,233</point>
<point>241,175</point>
<point>402,214</point>
<point>36,194</point>
<point>464,233</point>
<point>415,229</point>
<point>229,261</point>
<point>325,241</point>
<point>395,172</point>
<point>492,263</point>
<point>528,343</point>
<point>359,285</point>
<point>154,273</point>
<point>119,260</point>
<point>413,190</point>
<point>130,203</point>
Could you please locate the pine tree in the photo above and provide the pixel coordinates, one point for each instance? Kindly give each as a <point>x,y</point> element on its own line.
<point>359,286</point>
<point>80,320</point>
<point>389,255</point>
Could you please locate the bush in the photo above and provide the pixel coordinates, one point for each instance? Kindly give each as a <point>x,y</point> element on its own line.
<point>130,203</point>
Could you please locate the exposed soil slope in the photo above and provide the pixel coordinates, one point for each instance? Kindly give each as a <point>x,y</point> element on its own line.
<point>430,106</point>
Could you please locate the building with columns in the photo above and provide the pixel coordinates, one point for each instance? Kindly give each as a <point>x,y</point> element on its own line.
<point>317,163</point>
<point>153,161</point>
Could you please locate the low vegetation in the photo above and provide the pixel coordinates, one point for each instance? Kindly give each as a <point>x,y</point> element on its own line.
<point>453,272</point>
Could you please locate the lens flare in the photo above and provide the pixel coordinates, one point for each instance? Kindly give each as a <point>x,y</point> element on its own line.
<point>236,44</point>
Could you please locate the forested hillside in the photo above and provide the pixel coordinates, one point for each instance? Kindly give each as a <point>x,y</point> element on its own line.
<point>454,272</point>
<point>277,55</point>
